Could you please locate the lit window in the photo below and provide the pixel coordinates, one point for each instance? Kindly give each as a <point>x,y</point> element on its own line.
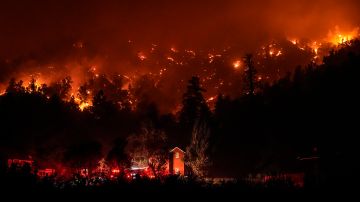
<point>177,155</point>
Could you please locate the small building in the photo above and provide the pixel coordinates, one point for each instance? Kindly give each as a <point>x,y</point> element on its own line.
<point>176,161</point>
<point>48,172</point>
<point>20,162</point>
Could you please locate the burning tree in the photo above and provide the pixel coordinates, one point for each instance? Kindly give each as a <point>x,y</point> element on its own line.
<point>32,87</point>
<point>197,158</point>
<point>149,149</point>
<point>84,93</point>
<point>102,167</point>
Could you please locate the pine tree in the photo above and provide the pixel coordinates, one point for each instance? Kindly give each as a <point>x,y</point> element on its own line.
<point>250,75</point>
<point>194,104</point>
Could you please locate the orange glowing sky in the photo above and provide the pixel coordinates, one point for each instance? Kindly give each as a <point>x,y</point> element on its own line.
<point>29,26</point>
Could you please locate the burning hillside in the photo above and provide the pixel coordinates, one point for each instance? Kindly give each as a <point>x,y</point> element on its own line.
<point>159,74</point>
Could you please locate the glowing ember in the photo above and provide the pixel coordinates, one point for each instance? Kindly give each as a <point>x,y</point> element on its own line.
<point>84,106</point>
<point>141,56</point>
<point>294,41</point>
<point>172,49</point>
<point>162,71</point>
<point>237,64</point>
<point>93,69</point>
<point>211,99</point>
<point>171,59</point>
<point>191,52</point>
<point>211,57</point>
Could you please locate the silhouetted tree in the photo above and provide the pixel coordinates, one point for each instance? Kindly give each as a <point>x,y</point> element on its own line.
<point>15,87</point>
<point>85,155</point>
<point>43,89</point>
<point>61,88</point>
<point>65,87</point>
<point>119,96</point>
<point>73,106</point>
<point>193,104</point>
<point>149,148</point>
<point>102,107</point>
<point>117,156</point>
<point>250,75</point>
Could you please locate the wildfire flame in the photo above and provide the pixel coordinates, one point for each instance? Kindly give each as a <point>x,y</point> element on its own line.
<point>175,58</point>
<point>142,56</point>
<point>211,99</point>
<point>278,53</point>
<point>338,37</point>
<point>294,41</point>
<point>84,105</point>
<point>237,64</point>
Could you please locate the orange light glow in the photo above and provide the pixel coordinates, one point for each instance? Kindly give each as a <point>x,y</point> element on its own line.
<point>315,46</point>
<point>142,56</point>
<point>173,49</point>
<point>294,41</point>
<point>191,52</point>
<point>115,170</point>
<point>84,106</point>
<point>338,37</point>
<point>171,59</point>
<point>237,64</point>
<point>211,99</point>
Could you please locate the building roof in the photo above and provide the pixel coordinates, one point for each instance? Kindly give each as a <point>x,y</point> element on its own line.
<point>178,149</point>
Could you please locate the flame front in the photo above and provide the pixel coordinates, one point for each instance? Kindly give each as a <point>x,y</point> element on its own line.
<point>174,66</point>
